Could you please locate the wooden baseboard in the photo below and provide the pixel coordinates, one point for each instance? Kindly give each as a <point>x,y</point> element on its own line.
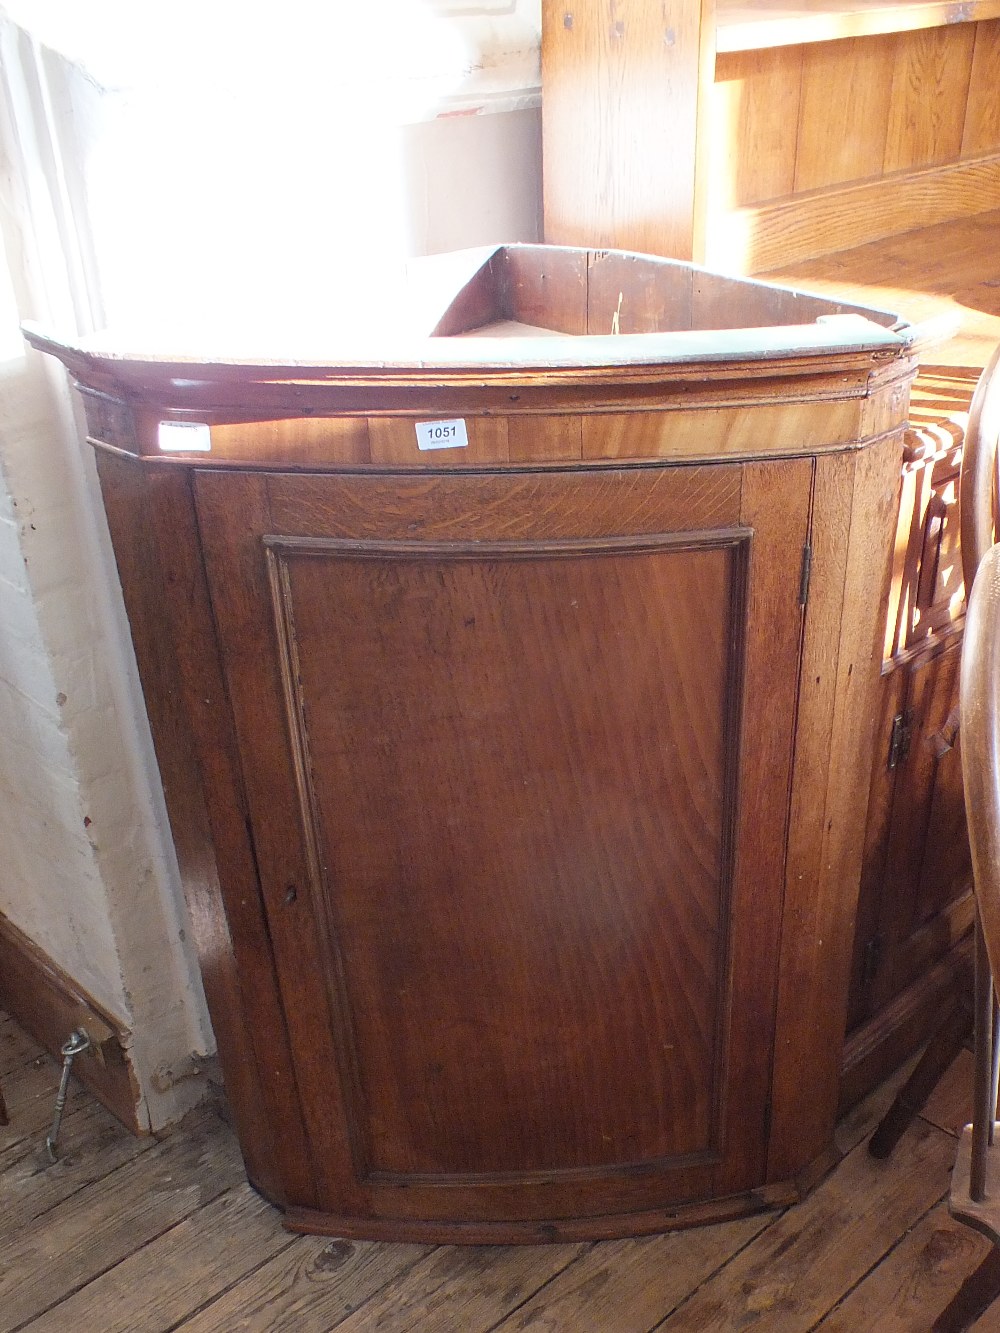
<point>49,1005</point>
<point>873,1050</point>
<point>768,237</point>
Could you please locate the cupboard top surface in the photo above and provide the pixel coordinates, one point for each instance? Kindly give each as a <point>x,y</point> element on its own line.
<point>518,310</point>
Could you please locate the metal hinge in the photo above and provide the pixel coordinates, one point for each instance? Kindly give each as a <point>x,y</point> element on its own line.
<point>807,560</point>
<point>899,739</point>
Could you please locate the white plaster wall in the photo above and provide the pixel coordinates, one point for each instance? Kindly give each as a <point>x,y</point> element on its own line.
<point>88,869</point>
<point>194,159</point>
<point>222,165</point>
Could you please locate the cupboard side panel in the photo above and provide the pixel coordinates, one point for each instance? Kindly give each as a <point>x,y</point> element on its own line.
<point>775,504</point>
<point>838,716</point>
<point>173,637</point>
<point>233,514</point>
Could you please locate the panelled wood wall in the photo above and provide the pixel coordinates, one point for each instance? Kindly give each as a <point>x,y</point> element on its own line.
<point>828,145</point>
<point>748,141</point>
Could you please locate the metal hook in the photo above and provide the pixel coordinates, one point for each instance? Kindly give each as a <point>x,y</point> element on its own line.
<point>75,1045</point>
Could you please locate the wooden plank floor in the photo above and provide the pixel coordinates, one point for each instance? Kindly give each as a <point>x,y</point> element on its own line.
<point>143,1235</point>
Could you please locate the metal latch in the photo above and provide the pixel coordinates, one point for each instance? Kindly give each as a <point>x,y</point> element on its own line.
<point>899,739</point>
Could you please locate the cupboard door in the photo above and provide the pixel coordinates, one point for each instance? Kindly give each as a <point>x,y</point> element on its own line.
<point>500,738</point>
<point>919,875</point>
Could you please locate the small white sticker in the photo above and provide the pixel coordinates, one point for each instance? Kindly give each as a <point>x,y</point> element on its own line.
<point>184,437</point>
<point>442,434</point>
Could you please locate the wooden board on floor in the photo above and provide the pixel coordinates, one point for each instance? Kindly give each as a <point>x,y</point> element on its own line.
<point>950,1104</point>
<point>629,1285</point>
<point>30,1099</point>
<point>309,1287</point>
<point>169,1278</point>
<point>92,1145</point>
<point>103,1224</point>
<point>915,1282</point>
<point>469,1288</point>
<point>800,1267</point>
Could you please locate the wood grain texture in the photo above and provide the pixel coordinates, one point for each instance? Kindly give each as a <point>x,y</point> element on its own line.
<point>528,507</point>
<point>220,1243</point>
<point>233,513</point>
<point>980,462</point>
<point>545,287</point>
<point>776,503</point>
<point>927,865</point>
<point>870,955</point>
<point>615,75</point>
<point>16,1047</point>
<point>981,132</point>
<point>838,705</point>
<point>769,429</point>
<point>422,1102</point>
<point>81,1240</point>
<point>981,743</point>
<point>769,23</point>
<point>157,549</point>
<point>946,269</point>
<point>765,238</point>
<point>462,751</point>
<point>227,1264</point>
<point>621,298</point>
<point>914,1282</point>
<point>538,881</point>
<point>631,1285</point>
<point>950,1104</point>
<point>29,1103</point>
<point>312,441</point>
<point>930,84</point>
<point>902,1026</point>
<point>532,439</point>
<point>92,1144</point>
<point>459,1288</point>
<point>754,109</point>
<point>308,1287</point>
<point>844,112</point>
<point>796,1271</point>
<point>394,440</point>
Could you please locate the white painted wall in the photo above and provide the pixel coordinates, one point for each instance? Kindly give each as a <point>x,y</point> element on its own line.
<point>160,161</point>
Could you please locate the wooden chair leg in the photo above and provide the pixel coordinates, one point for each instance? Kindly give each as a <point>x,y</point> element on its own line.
<point>942,1048</point>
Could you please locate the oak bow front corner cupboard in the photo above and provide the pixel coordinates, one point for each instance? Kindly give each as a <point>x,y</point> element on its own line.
<point>511,674</point>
